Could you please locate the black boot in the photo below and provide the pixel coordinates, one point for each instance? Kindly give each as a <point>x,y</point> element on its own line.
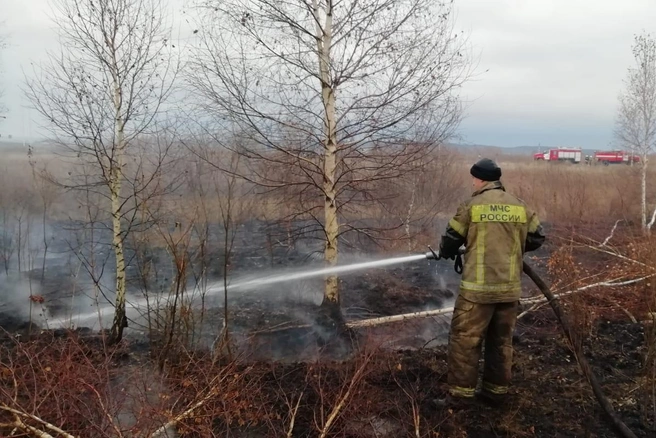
<point>497,400</point>
<point>454,402</point>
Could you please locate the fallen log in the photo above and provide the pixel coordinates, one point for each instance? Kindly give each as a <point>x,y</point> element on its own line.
<point>611,283</point>
<point>397,318</point>
<point>371,322</point>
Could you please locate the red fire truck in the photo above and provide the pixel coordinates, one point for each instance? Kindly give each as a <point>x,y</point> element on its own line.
<point>573,155</point>
<point>614,157</point>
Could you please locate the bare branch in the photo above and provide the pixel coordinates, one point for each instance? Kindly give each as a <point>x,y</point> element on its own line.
<point>102,94</point>
<point>636,118</point>
<point>24,415</point>
<point>343,400</point>
<point>612,232</point>
<point>330,100</point>
<point>293,415</point>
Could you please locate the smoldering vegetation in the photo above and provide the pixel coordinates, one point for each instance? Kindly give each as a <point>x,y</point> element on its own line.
<point>59,266</point>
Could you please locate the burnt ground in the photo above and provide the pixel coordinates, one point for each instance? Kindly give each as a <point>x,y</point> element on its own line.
<point>283,345</point>
<point>391,393</point>
<point>549,398</point>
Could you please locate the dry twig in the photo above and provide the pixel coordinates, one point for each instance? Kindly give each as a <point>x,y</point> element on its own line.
<point>36,432</point>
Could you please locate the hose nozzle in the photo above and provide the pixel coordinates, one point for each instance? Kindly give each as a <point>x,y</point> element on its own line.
<point>432,255</point>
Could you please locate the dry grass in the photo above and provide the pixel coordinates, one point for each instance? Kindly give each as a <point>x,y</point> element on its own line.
<point>562,193</point>
<point>567,194</point>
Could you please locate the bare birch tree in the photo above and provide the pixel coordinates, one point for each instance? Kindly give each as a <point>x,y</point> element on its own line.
<point>105,89</point>
<point>636,119</point>
<point>340,94</point>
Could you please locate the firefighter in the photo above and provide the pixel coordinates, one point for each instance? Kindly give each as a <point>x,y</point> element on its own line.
<point>497,229</point>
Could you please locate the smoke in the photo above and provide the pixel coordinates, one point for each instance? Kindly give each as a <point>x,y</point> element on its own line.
<point>441,282</point>
<point>258,298</point>
<point>84,311</point>
<point>15,302</point>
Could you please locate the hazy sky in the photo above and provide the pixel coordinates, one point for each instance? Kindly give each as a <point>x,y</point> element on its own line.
<point>549,70</point>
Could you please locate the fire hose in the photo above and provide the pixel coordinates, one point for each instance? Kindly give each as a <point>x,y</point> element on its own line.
<point>572,337</point>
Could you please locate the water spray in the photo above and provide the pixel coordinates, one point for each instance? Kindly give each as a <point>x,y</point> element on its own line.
<point>140,304</point>
<point>332,270</point>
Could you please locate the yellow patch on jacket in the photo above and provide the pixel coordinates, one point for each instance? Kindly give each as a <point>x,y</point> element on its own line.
<point>498,213</point>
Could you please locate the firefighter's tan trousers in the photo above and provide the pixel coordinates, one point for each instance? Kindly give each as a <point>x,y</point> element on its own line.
<point>473,323</point>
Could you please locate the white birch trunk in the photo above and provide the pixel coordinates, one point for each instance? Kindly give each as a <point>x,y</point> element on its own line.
<point>120,319</point>
<point>331,227</point>
<point>643,194</point>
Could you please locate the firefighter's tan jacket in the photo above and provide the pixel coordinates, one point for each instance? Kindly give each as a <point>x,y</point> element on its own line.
<point>497,228</point>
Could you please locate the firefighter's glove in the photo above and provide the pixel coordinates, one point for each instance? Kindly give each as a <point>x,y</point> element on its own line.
<point>458,265</point>
<point>445,255</point>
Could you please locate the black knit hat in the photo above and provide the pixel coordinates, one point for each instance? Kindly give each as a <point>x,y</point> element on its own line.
<point>486,170</point>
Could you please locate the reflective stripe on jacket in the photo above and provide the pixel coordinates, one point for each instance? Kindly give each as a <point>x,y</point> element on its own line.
<point>497,228</point>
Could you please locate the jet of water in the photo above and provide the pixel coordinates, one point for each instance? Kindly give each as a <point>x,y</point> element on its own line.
<point>134,307</point>
<point>334,270</point>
